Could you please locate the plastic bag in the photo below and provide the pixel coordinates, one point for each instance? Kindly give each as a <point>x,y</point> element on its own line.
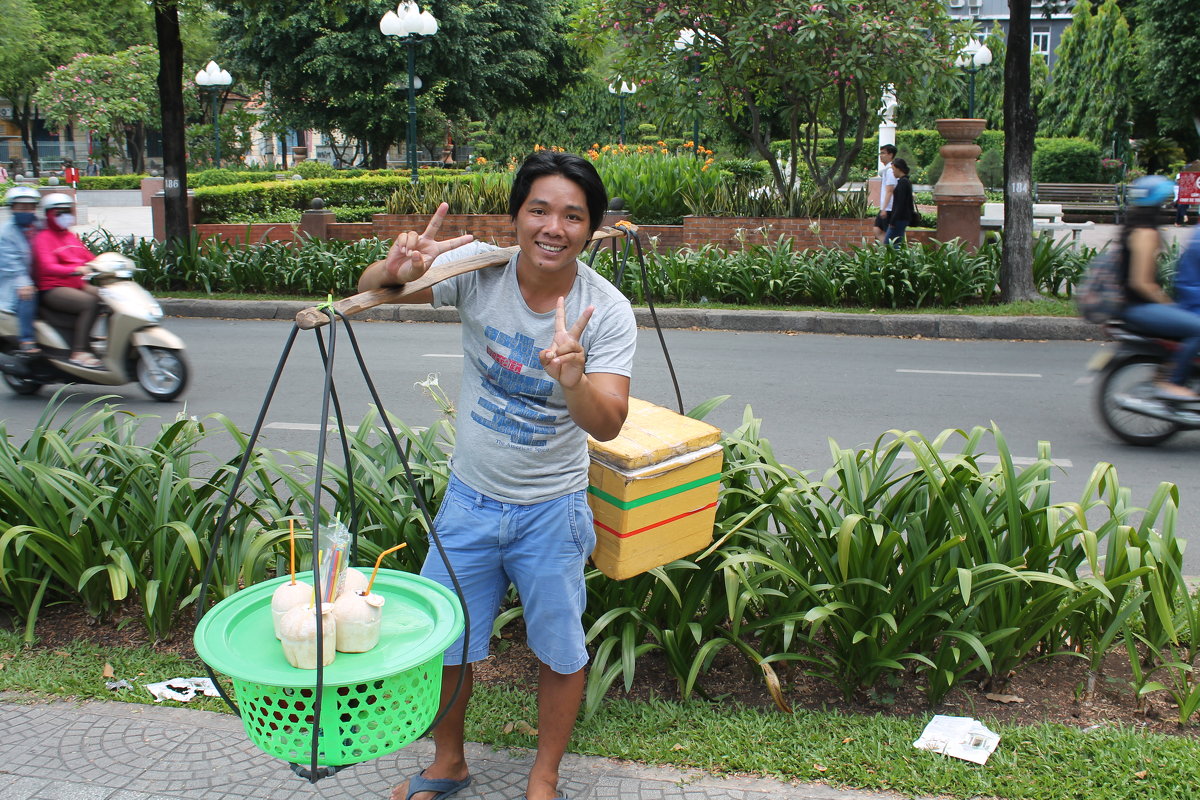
<point>334,540</point>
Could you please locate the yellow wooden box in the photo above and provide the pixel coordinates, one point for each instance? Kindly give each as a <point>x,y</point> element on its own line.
<point>653,490</point>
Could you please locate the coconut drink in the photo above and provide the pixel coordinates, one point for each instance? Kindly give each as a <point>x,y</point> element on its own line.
<point>359,617</point>
<point>287,597</point>
<point>298,633</point>
<point>353,582</point>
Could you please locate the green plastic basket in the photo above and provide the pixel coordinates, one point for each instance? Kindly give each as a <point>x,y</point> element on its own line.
<point>372,703</point>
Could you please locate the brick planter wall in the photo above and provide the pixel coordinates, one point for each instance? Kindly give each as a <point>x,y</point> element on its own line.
<point>496,229</point>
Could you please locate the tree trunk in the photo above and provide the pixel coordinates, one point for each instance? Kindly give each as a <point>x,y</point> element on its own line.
<point>1016,267</point>
<point>24,116</point>
<point>170,90</point>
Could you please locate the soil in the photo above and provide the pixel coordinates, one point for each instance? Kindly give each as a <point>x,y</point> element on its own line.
<point>1049,690</point>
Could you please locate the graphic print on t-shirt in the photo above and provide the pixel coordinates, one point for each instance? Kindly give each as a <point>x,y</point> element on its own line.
<point>514,380</point>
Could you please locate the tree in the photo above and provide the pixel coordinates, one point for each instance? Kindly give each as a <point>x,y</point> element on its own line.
<point>109,94</point>
<point>330,68</point>
<point>23,62</point>
<point>1168,42</point>
<point>1090,92</point>
<point>1016,265</point>
<point>778,71</point>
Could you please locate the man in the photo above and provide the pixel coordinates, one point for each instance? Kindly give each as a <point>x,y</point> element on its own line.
<point>887,154</point>
<point>17,292</point>
<point>549,350</point>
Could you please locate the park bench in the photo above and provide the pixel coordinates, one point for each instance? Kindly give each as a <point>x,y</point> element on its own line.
<point>1083,198</point>
<point>1046,217</point>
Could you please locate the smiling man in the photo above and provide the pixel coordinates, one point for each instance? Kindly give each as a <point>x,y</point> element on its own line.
<point>548,347</point>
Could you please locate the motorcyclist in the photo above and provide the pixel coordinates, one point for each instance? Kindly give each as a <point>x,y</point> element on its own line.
<point>17,292</point>
<point>1147,307</point>
<point>60,260</point>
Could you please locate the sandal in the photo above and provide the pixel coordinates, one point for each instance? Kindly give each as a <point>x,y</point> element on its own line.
<point>86,360</point>
<point>29,349</point>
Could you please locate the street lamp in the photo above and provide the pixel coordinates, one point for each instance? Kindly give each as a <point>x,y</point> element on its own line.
<point>622,88</point>
<point>687,38</point>
<point>408,22</point>
<point>974,57</point>
<point>213,78</point>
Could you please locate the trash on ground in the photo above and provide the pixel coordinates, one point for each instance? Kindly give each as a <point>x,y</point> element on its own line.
<point>960,737</point>
<point>115,685</point>
<point>181,689</point>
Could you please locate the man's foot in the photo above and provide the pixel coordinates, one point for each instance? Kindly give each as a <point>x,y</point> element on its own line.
<point>421,787</point>
<point>1173,391</point>
<point>542,790</point>
<point>30,348</point>
<point>86,360</point>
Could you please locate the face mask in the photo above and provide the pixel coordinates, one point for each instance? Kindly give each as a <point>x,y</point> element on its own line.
<point>24,218</point>
<point>63,221</point>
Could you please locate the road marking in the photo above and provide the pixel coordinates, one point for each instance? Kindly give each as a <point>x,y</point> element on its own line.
<point>305,426</point>
<point>1020,461</point>
<point>435,355</point>
<point>980,374</point>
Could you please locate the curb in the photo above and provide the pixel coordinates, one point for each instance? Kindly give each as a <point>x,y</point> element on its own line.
<point>925,326</point>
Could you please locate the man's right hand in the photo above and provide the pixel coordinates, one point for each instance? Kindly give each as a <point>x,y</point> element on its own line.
<point>412,254</point>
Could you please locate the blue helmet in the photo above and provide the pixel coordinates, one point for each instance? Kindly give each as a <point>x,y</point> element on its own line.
<point>1150,191</point>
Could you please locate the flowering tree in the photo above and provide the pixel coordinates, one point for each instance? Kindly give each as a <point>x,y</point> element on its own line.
<point>779,70</point>
<point>113,95</point>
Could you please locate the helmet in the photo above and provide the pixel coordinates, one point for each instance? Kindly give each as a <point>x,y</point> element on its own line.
<point>1150,191</point>
<point>21,194</point>
<point>57,200</point>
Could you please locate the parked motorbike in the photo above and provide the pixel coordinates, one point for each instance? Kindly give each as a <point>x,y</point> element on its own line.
<point>136,347</point>
<point>1125,394</point>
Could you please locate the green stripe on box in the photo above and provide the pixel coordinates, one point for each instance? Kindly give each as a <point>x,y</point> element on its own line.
<point>625,505</point>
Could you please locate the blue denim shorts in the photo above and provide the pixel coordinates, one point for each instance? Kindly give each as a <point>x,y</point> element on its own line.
<point>540,548</point>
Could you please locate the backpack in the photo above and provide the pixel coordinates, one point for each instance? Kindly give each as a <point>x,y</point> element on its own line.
<point>1101,295</point>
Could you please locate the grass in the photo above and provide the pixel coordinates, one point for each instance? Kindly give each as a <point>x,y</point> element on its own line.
<point>1046,307</point>
<point>868,752</point>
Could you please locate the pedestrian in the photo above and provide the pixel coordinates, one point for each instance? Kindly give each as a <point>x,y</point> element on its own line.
<point>1147,307</point>
<point>904,209</point>
<point>60,262</point>
<point>887,154</point>
<point>92,167</point>
<point>548,346</point>
<point>18,295</point>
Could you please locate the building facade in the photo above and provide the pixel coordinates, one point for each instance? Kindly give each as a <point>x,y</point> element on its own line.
<point>1046,30</point>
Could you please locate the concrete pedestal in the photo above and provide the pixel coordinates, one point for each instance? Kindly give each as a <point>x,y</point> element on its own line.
<point>959,192</point>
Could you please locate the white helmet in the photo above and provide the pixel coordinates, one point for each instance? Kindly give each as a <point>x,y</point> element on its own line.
<point>57,200</point>
<point>21,194</point>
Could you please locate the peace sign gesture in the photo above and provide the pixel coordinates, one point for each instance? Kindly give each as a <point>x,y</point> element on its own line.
<point>564,360</point>
<point>412,253</point>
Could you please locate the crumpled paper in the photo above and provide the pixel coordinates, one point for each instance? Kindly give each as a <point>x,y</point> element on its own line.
<point>959,737</point>
<point>181,689</point>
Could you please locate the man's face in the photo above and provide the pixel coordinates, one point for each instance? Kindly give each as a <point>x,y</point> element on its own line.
<point>553,224</point>
<point>885,156</point>
<point>24,207</point>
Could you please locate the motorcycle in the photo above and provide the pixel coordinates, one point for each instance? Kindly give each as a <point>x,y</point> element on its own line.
<point>136,348</point>
<point>1126,398</point>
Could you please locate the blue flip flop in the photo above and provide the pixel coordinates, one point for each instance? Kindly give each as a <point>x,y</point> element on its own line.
<point>443,787</point>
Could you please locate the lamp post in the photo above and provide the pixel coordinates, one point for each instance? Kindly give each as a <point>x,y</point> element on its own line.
<point>974,57</point>
<point>685,41</point>
<point>213,78</point>
<point>407,23</point>
<point>622,88</point>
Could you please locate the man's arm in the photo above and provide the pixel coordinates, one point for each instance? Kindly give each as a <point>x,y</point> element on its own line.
<point>409,257</point>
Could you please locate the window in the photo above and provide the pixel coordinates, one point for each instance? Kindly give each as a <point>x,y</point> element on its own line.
<point>957,3</point>
<point>1041,39</point>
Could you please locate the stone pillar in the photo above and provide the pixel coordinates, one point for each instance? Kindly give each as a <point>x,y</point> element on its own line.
<point>158,214</point>
<point>314,222</point>
<point>959,192</point>
<point>150,187</point>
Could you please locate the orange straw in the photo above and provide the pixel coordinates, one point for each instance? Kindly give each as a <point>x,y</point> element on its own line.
<point>379,561</point>
<point>292,548</point>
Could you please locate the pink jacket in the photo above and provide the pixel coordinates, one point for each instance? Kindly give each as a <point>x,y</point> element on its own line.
<point>56,255</point>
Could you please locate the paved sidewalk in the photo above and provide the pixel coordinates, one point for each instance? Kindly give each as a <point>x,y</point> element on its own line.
<point>123,751</point>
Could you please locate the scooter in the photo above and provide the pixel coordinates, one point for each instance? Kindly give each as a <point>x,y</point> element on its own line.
<point>136,348</point>
<point>1126,398</point>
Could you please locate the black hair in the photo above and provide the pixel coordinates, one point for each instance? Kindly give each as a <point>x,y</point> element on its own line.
<point>890,148</point>
<point>574,168</point>
<point>900,165</point>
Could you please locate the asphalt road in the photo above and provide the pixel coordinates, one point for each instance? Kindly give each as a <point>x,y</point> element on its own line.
<point>807,389</point>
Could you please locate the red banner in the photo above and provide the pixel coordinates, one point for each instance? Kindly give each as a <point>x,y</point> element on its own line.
<point>71,175</point>
<point>1189,188</point>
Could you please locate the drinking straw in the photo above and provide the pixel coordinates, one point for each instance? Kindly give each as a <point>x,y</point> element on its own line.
<point>292,548</point>
<point>379,561</point>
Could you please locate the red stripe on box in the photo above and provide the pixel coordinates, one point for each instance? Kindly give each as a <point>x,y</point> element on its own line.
<point>658,524</point>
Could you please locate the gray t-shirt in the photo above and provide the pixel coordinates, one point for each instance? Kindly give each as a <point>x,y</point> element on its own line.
<point>515,440</point>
